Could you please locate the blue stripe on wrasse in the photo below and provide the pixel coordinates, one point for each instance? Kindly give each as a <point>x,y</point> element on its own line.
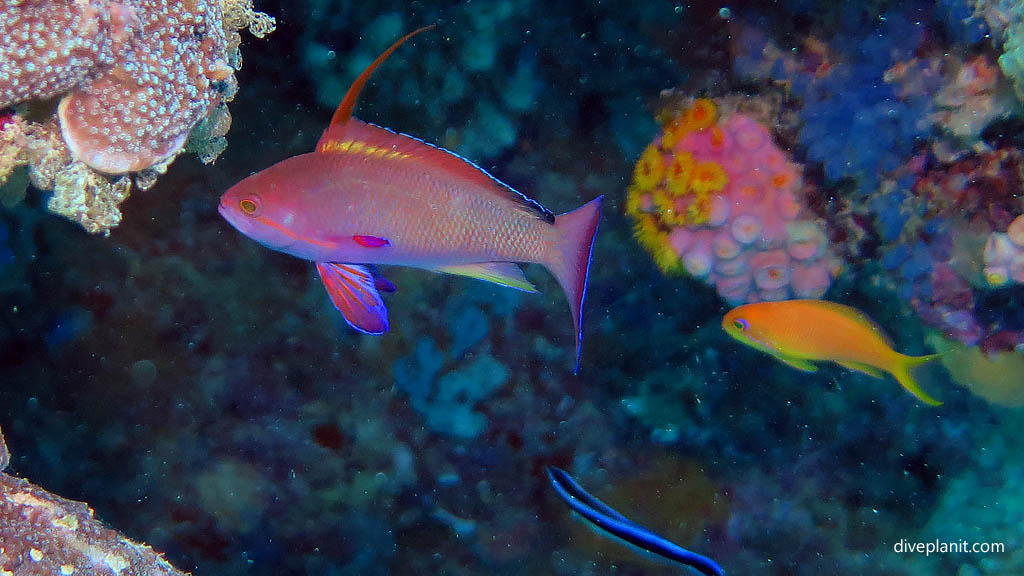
<point>543,212</point>
<point>608,519</point>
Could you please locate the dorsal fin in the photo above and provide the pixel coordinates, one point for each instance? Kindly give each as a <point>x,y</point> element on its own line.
<point>348,104</point>
<point>360,138</point>
<point>348,135</point>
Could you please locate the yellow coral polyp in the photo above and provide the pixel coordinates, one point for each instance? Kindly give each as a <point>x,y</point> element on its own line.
<point>655,240</point>
<point>782,180</point>
<point>701,115</point>
<point>665,202</point>
<point>679,173</point>
<point>646,230</point>
<point>996,278</point>
<point>650,169</point>
<point>717,137</point>
<point>699,210</point>
<point>634,200</point>
<point>674,132</point>
<point>666,259</point>
<point>708,177</point>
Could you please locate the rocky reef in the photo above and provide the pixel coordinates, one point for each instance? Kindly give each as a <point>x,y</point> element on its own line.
<point>42,534</point>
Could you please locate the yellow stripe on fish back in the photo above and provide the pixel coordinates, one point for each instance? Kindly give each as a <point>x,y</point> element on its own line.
<point>363,149</point>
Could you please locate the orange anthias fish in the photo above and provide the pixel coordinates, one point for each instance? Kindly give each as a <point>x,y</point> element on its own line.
<point>799,332</point>
<point>368,195</point>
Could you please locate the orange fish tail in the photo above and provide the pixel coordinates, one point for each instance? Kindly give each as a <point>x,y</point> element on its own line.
<point>571,261</point>
<point>903,372</point>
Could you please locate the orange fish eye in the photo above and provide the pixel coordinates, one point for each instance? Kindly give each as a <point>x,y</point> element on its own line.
<point>741,324</point>
<point>249,206</point>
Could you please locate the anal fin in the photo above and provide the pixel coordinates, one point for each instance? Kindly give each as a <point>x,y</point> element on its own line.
<point>503,273</point>
<point>869,370</point>
<point>353,292</point>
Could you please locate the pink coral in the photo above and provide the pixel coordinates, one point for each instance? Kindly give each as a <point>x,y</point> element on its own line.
<point>137,77</point>
<point>139,112</point>
<point>732,215</point>
<point>50,47</point>
<point>139,74</point>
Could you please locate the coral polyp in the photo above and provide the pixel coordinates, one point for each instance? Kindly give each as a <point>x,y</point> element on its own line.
<point>137,79</point>
<point>726,208</point>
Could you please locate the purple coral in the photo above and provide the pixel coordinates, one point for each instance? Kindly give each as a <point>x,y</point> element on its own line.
<point>1004,255</point>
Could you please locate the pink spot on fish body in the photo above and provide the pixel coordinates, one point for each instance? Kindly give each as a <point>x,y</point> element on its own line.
<point>371,241</point>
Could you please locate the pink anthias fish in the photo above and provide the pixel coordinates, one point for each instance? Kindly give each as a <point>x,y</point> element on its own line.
<point>368,195</point>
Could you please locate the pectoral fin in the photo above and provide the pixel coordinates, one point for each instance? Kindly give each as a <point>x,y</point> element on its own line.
<point>504,273</point>
<point>869,370</point>
<point>353,292</point>
<point>797,363</point>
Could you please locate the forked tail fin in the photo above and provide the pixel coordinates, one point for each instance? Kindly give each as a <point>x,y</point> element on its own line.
<point>903,373</point>
<point>571,262</point>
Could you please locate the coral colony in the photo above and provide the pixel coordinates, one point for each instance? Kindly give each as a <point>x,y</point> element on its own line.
<point>44,534</point>
<point>134,78</point>
<point>714,197</point>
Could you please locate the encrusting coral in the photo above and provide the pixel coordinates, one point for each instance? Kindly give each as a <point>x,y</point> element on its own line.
<point>42,534</point>
<point>135,78</point>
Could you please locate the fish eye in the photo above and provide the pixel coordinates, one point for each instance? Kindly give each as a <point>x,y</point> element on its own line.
<point>741,324</point>
<point>249,206</point>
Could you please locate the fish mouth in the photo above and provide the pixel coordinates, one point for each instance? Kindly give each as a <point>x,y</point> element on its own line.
<point>222,209</point>
<point>230,216</point>
<point>233,218</point>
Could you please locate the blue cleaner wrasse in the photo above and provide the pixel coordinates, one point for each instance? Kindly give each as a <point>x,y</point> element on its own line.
<point>611,521</point>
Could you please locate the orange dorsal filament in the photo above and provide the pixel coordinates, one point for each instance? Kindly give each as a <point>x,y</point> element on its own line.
<point>348,104</point>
